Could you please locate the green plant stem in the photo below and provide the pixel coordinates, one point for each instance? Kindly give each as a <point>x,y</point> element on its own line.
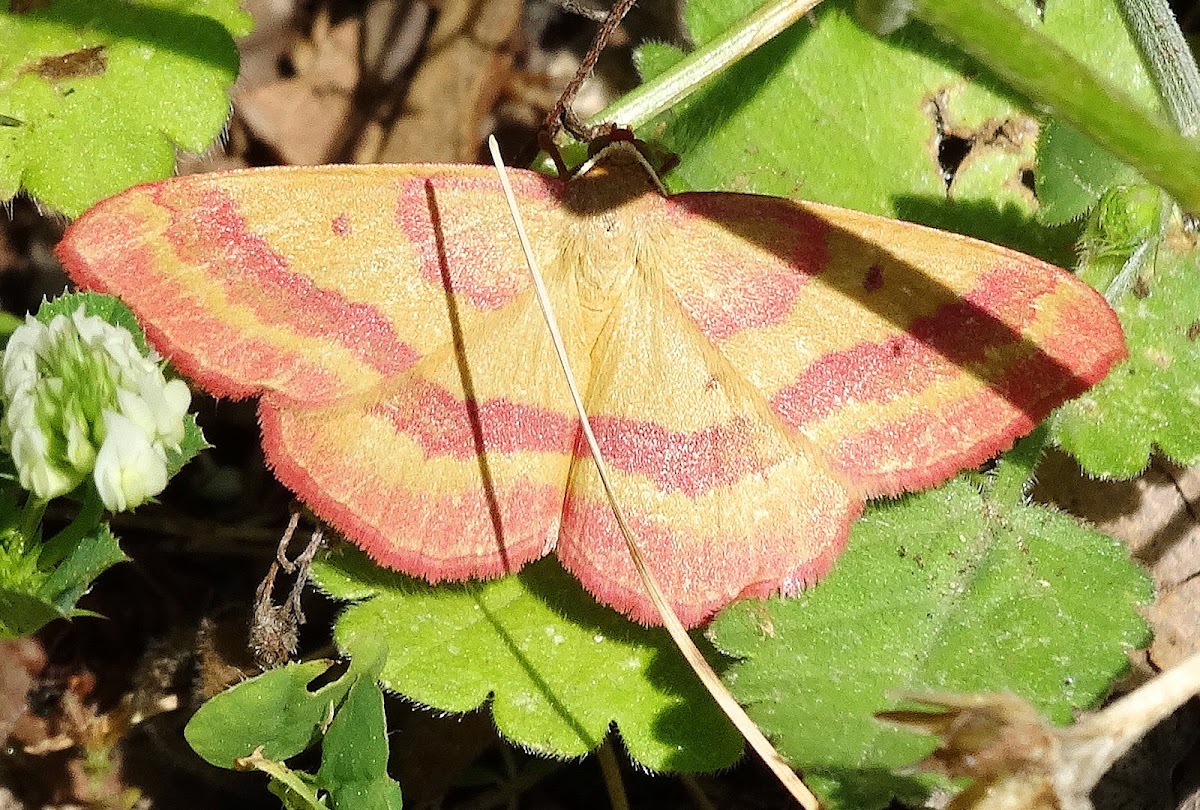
<point>286,778</point>
<point>9,323</point>
<point>690,73</point>
<point>1054,81</point>
<point>31,518</point>
<point>1013,476</point>
<point>1154,28</point>
<point>60,546</point>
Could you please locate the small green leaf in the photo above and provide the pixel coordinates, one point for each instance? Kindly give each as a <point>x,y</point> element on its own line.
<point>559,668</point>
<point>354,754</point>
<point>1153,398</point>
<point>8,322</point>
<point>1072,173</point>
<point>263,721</point>
<point>23,613</point>
<point>106,93</point>
<point>32,595</point>
<point>71,578</point>
<point>945,590</point>
<point>193,442</point>
<point>1125,218</point>
<point>276,711</point>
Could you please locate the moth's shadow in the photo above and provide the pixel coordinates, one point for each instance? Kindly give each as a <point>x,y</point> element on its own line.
<point>207,41</point>
<point>695,711</point>
<point>967,352</point>
<point>857,286</point>
<point>1008,225</point>
<point>468,381</point>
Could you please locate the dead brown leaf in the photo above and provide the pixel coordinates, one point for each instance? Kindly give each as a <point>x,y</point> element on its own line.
<point>300,116</point>
<point>467,63</point>
<point>74,65</point>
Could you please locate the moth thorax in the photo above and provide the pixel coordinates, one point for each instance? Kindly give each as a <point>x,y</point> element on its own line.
<point>605,255</point>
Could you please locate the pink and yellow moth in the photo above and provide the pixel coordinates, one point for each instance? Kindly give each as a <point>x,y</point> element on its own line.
<point>755,368</point>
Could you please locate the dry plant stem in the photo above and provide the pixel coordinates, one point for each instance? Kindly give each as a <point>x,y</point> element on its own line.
<point>274,630</point>
<point>1107,735</point>
<point>683,641</point>
<point>518,782</point>
<point>593,14</point>
<point>612,776</point>
<point>262,597</point>
<point>699,799</point>
<point>301,566</point>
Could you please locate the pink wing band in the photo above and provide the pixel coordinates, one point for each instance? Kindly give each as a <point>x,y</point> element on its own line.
<point>690,462</point>
<point>441,217</point>
<point>736,292</point>
<point>704,557</point>
<point>906,353</point>
<point>260,279</point>
<point>444,425</point>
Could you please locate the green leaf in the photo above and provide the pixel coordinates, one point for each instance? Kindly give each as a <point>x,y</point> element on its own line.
<point>193,442</point>
<point>22,613</point>
<point>71,578</point>
<point>1072,173</point>
<point>1017,47</point>
<point>276,711</point>
<point>559,668</point>
<point>832,113</point>
<point>1124,219</point>
<point>354,754</point>
<point>946,590</point>
<point>263,721</point>
<point>8,324</point>
<point>1153,398</point>
<point>99,96</point>
<point>31,596</point>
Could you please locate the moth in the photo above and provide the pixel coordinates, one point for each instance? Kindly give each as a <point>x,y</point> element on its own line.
<point>754,368</point>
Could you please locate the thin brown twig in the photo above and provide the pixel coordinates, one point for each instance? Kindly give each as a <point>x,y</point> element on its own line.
<point>563,116</point>
<point>580,10</point>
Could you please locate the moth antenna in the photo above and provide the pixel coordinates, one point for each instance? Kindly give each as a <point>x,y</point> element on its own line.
<point>724,698</point>
<point>562,115</point>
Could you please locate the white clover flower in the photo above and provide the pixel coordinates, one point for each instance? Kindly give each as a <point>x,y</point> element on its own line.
<point>129,468</point>
<point>80,400</point>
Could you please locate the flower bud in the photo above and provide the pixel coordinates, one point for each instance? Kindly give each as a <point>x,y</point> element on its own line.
<point>80,399</point>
